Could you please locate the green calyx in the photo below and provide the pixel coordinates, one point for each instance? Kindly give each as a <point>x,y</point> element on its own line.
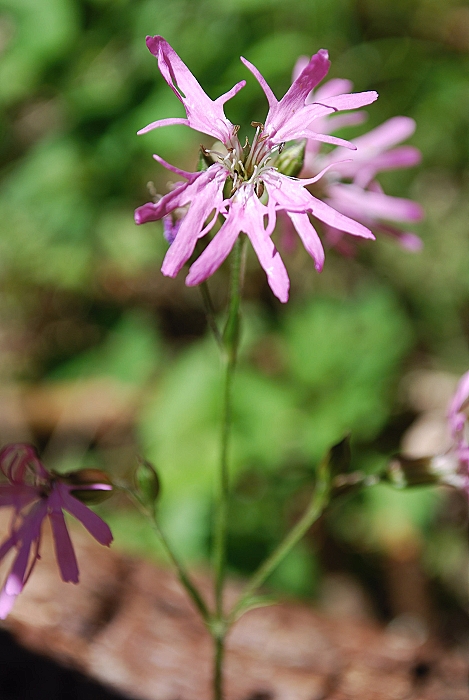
<point>291,160</point>
<point>147,482</point>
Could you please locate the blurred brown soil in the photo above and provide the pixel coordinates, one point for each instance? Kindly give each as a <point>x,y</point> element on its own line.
<point>129,625</point>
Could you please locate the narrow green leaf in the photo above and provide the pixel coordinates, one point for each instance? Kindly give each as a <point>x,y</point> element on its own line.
<point>253,602</point>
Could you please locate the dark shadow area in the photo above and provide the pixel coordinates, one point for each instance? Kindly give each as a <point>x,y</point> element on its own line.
<point>31,676</point>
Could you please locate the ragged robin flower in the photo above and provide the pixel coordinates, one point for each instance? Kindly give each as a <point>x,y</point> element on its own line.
<point>350,184</point>
<point>243,184</point>
<point>36,494</point>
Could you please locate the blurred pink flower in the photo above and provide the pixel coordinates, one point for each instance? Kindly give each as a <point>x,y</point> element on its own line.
<point>350,185</point>
<point>258,190</point>
<point>458,458</point>
<point>452,466</point>
<point>30,484</point>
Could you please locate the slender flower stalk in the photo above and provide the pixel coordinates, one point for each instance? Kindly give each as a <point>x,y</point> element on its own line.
<point>210,313</point>
<point>149,510</point>
<point>231,342</point>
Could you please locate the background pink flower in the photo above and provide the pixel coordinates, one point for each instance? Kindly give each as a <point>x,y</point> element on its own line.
<point>350,185</point>
<point>30,484</point>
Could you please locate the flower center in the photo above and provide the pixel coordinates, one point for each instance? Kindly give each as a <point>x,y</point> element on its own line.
<point>247,163</point>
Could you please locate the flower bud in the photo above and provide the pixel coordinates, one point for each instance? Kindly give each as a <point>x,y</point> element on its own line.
<point>405,471</point>
<point>89,485</point>
<point>291,160</point>
<point>147,482</point>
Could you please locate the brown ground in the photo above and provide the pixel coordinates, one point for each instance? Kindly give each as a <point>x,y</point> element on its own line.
<point>130,626</point>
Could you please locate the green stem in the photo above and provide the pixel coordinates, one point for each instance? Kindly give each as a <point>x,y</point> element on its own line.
<point>318,503</point>
<point>218,667</point>
<point>210,313</point>
<point>184,577</point>
<point>222,493</point>
<point>231,342</point>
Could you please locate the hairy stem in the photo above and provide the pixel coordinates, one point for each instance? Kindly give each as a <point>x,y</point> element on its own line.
<point>230,344</point>
<point>210,313</point>
<point>219,655</point>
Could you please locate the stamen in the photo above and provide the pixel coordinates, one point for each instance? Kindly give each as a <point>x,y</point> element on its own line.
<point>241,165</point>
<point>235,180</point>
<point>153,192</point>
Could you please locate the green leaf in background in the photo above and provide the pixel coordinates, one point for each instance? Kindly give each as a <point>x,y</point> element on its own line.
<point>131,353</point>
<point>297,575</point>
<point>40,32</point>
<point>344,360</point>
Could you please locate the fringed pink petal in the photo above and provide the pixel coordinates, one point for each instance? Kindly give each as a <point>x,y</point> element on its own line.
<point>215,253</point>
<point>309,238</point>
<point>171,121</point>
<point>207,196</point>
<point>203,114</point>
<point>183,193</point>
<point>92,522</point>
<point>333,87</point>
<point>353,100</point>
<point>375,205</point>
<point>334,218</point>
<point>388,134</point>
<point>17,495</point>
<point>64,551</point>
<point>271,99</point>
<point>253,214</point>
<point>183,173</point>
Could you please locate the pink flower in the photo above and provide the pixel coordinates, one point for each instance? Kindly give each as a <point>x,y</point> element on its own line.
<point>35,494</point>
<point>257,190</point>
<point>350,185</point>
<point>449,467</point>
<point>452,466</point>
<point>458,425</point>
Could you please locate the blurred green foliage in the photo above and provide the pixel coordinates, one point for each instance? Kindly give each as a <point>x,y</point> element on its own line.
<point>76,82</point>
<point>337,365</point>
